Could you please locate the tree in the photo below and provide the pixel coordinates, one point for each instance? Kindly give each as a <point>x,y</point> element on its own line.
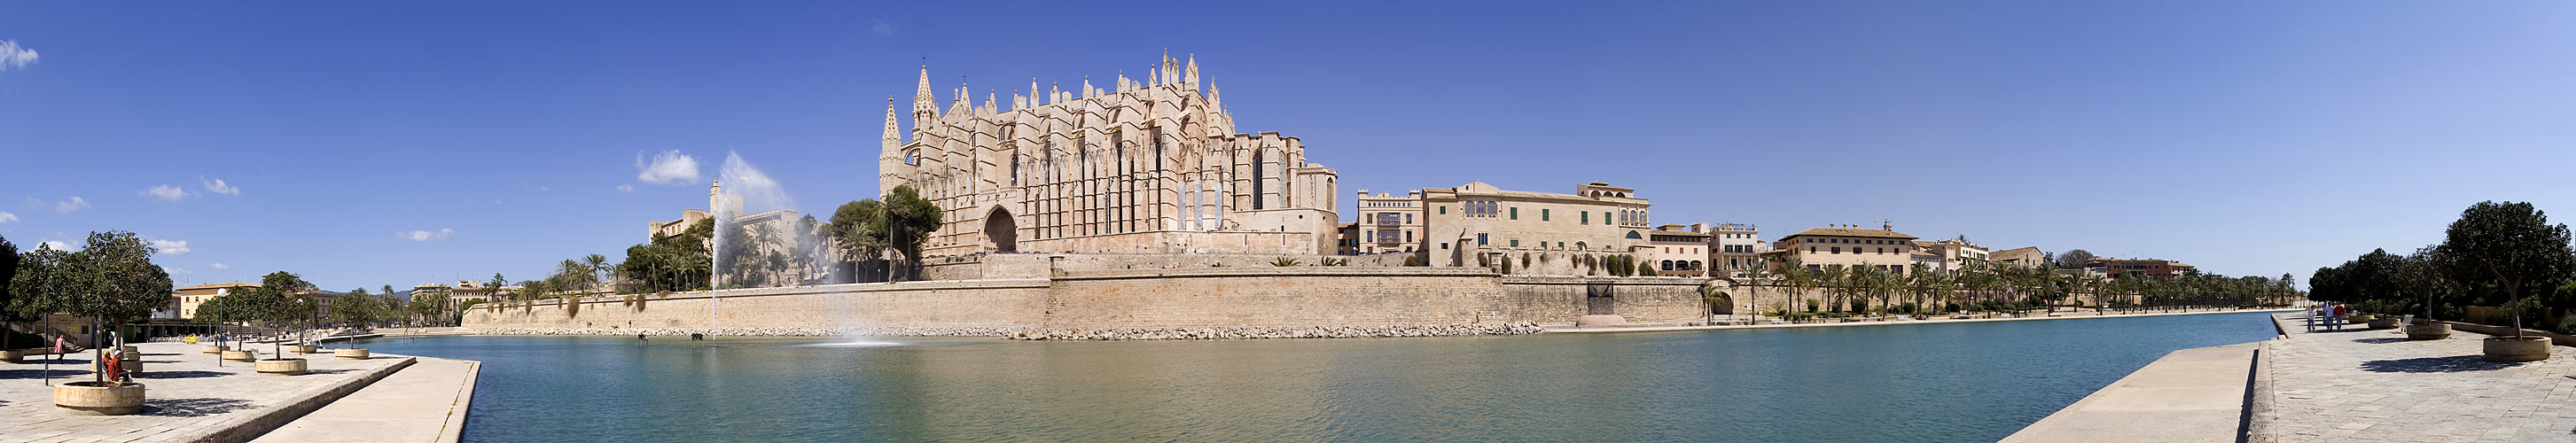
<point>275,301</point>
<point>1755,277</point>
<point>355,308</point>
<point>2072,259</point>
<point>112,280</point>
<point>38,285</point>
<point>8,272</point>
<point>598,268</point>
<point>909,221</point>
<point>2509,245</point>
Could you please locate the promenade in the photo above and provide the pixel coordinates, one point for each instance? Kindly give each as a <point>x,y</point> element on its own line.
<point>190,397</point>
<point>2365,385</point>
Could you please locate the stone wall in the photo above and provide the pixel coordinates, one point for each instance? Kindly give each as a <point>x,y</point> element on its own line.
<point>1187,302</point>
<point>1274,296</point>
<point>1003,303</point>
<point>1560,299</point>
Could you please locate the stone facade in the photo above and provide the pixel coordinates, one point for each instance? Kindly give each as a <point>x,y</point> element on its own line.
<point>1478,224</point>
<point>1850,247</point>
<point>1150,166</point>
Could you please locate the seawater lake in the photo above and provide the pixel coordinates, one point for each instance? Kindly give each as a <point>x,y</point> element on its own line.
<point>1957,382</point>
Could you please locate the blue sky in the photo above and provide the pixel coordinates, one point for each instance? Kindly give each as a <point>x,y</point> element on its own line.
<point>2244,137</point>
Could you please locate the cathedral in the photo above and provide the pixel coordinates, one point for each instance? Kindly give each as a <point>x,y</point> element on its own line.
<point>1150,166</point>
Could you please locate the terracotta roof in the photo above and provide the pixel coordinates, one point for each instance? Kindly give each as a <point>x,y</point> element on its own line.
<point>219,285</point>
<point>1846,232</point>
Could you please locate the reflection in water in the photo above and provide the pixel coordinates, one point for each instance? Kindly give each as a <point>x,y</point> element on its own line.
<point>1957,382</point>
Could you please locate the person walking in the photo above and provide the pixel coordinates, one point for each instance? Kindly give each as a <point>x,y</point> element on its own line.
<point>2335,319</point>
<point>2314,315</point>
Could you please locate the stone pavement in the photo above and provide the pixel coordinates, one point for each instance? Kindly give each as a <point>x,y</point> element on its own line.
<point>425,402</point>
<point>2191,395</point>
<point>188,397</point>
<point>2363,385</point>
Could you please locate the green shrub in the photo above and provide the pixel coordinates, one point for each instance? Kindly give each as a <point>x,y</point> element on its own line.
<point>2567,325</point>
<point>1813,304</point>
<point>1859,305</point>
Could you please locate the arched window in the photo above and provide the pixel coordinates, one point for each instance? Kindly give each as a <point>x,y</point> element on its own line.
<point>1694,265</point>
<point>1632,235</point>
<point>1580,246</point>
<point>1668,265</point>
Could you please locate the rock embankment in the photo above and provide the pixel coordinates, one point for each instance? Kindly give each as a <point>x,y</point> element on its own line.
<point>1206,333</point>
<point>1258,332</point>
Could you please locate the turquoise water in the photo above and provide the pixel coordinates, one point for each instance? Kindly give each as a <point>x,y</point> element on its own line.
<point>1929,383</point>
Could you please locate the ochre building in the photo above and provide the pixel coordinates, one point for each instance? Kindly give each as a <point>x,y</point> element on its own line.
<point>1143,166</point>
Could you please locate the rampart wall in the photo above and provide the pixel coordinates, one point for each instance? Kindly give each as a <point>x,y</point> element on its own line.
<point>1231,301</point>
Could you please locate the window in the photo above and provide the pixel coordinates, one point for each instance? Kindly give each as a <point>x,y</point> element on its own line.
<point>1480,239</point>
<point>1408,218</point>
<point>1542,214</point>
<point>1444,209</point>
<point>1632,235</point>
<point>1444,246</point>
<point>1516,243</point>
<point>1838,249</point>
<point>1408,236</point>
<point>1667,265</point>
<point>1587,216</point>
<point>1516,213</point>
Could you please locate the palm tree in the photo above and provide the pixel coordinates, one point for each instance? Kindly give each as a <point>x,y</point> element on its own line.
<point>1756,277</point>
<point>598,266</point>
<point>1832,279</point>
<point>1800,279</point>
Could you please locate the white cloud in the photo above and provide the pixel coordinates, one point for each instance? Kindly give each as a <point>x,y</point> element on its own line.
<point>669,168</point>
<point>881,27</point>
<point>219,266</point>
<point>33,203</point>
<point>14,56</point>
<point>57,245</point>
<point>173,270</point>
<point>441,234</point>
<point>171,247</point>
<point>218,186</point>
<point>166,193</point>
<point>74,204</point>
<point>6,217</point>
<point>627,188</point>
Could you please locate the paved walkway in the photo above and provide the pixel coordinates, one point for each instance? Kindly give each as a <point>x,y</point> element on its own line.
<point>188,397</point>
<point>2363,385</point>
<point>2191,395</point>
<point>425,402</point>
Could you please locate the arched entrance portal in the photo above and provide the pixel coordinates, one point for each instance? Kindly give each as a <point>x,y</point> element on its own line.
<point>1001,233</point>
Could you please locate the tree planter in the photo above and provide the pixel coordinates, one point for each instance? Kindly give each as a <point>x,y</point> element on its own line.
<point>302,349</point>
<point>349,353</point>
<point>282,366</point>
<point>2517,349</point>
<point>12,355</point>
<point>2383,323</point>
<point>99,397</point>
<point>2359,318</point>
<point>2428,331</point>
<point>238,356</point>
<point>216,349</point>
<point>130,350</point>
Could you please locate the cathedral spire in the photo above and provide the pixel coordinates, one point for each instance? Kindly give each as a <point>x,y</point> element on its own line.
<point>892,138</point>
<point>1086,87</point>
<point>923,105</point>
<point>1033,92</point>
<point>988,102</point>
<point>1191,73</point>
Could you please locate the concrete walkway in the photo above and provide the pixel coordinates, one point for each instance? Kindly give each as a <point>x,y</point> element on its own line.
<point>2365,385</point>
<point>189,396</point>
<point>425,402</point>
<point>2191,395</point>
